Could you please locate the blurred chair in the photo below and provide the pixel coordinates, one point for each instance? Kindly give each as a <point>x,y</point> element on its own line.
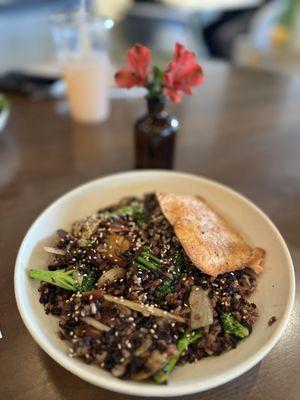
<point>220,35</point>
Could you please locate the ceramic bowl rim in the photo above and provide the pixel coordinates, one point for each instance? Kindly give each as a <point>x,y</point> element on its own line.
<point>132,388</point>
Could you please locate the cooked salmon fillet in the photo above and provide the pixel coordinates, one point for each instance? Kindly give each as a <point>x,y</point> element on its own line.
<point>210,242</point>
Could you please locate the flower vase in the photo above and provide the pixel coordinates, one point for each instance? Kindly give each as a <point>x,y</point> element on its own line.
<point>155,136</point>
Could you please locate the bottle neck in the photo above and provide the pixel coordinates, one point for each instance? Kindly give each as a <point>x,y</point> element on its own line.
<point>156,105</point>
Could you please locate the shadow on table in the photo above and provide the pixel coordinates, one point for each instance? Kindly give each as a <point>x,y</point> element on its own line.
<point>70,387</point>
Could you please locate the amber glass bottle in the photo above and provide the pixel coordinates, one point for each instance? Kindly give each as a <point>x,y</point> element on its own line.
<point>155,136</point>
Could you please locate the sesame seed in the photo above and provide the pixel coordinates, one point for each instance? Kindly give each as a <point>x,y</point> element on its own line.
<point>93,308</point>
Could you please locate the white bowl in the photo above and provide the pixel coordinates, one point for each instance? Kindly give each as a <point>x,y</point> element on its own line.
<point>274,295</point>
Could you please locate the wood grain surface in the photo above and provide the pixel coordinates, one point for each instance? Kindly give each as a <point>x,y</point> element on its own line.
<point>241,128</point>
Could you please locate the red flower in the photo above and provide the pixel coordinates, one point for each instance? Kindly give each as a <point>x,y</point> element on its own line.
<point>182,74</point>
<point>136,73</point>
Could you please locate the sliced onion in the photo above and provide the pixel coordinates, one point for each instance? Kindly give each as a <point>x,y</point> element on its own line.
<point>147,342</point>
<point>116,245</point>
<point>53,250</point>
<point>201,308</point>
<point>119,369</point>
<point>110,276</point>
<point>143,308</point>
<point>95,324</point>
<point>78,276</point>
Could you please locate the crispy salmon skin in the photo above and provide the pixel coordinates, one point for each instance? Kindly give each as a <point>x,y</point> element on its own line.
<point>210,242</point>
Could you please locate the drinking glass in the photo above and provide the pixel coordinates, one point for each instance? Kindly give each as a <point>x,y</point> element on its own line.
<point>81,41</point>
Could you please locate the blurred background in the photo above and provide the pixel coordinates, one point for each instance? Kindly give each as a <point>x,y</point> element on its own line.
<point>257,33</point>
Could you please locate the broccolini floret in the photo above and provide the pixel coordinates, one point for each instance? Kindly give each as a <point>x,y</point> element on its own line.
<point>168,286</point>
<point>164,289</point>
<point>232,326</point>
<point>88,281</point>
<point>178,260</point>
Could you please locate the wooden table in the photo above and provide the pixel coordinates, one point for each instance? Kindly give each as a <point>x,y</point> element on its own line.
<point>242,129</point>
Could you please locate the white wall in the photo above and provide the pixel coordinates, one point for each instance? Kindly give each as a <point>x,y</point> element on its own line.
<point>25,39</point>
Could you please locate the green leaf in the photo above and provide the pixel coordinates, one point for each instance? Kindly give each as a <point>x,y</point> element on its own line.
<point>4,102</point>
<point>138,212</point>
<point>157,75</point>
<point>287,17</point>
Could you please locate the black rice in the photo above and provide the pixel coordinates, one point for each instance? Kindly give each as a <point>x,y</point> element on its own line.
<point>133,337</point>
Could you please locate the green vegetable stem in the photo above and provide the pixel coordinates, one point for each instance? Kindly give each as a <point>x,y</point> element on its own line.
<point>184,342</point>
<point>148,261</point>
<point>64,279</point>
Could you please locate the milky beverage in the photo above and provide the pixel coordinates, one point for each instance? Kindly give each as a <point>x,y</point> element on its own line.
<point>87,86</point>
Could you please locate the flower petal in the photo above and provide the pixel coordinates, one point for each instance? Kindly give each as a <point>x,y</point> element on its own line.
<point>172,94</point>
<point>127,79</point>
<point>138,60</point>
<point>182,74</point>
